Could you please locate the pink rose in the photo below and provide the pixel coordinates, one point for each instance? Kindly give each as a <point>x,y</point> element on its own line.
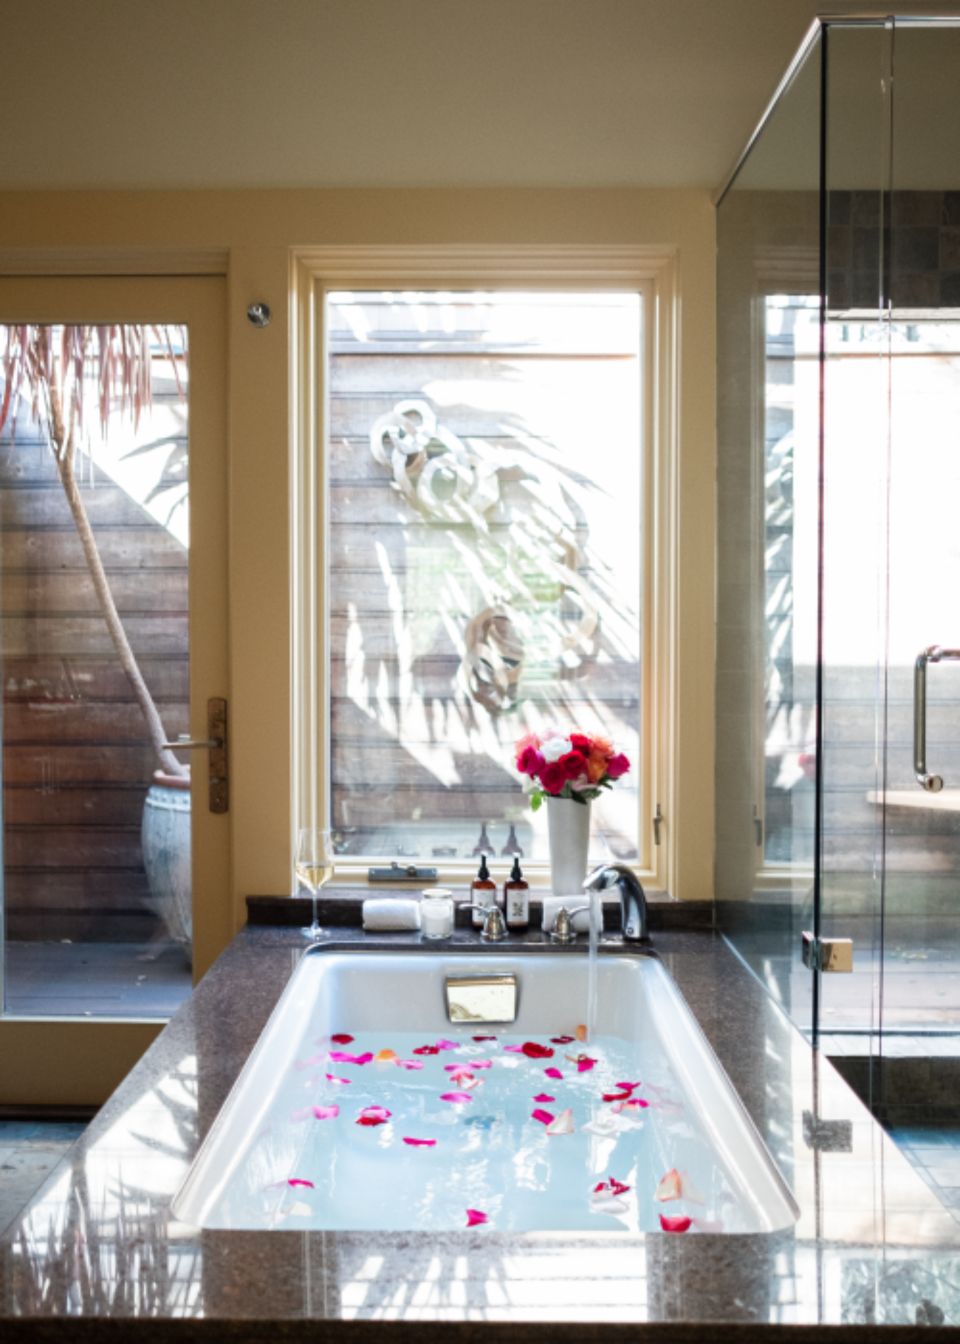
<point>617,765</point>
<point>530,761</point>
<point>553,777</point>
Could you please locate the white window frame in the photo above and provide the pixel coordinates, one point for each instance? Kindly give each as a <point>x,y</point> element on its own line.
<point>649,270</point>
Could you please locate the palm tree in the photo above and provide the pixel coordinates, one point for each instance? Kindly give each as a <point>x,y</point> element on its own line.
<point>59,373</point>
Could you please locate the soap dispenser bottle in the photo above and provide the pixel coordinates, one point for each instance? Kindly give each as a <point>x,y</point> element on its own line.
<point>516,892</point>
<point>483,891</point>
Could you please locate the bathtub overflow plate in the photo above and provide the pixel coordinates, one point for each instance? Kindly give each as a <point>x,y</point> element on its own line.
<point>481,998</point>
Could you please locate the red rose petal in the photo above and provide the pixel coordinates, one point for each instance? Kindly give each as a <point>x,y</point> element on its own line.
<point>475,1217</point>
<point>342,1038</point>
<point>561,1040</point>
<point>544,1096</point>
<point>427,1050</point>
<point>420,1143</point>
<point>630,1087</point>
<point>534,1051</point>
<point>296,1181</point>
<point>373,1115</point>
<point>544,1117</point>
<point>678,1224</point>
<point>483,1038</point>
<point>616,1096</point>
<point>456,1096</point>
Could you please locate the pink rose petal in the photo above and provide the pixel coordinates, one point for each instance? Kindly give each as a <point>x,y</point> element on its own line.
<point>332,1078</point>
<point>296,1181</point>
<point>301,1114</point>
<point>553,1073</point>
<point>545,1117</point>
<point>544,1096</point>
<point>373,1115</point>
<point>447,1045</point>
<point>630,1087</point>
<point>456,1096</point>
<point>475,1217</point>
<point>343,1057</point>
<point>420,1143</point>
<point>514,1049</point>
<point>585,1064</point>
<point>341,1038</point>
<point>326,1112</point>
<point>610,1188</point>
<point>408,1063</point>
<point>679,1224</point>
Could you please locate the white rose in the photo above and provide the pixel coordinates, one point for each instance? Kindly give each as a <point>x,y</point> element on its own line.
<point>552,748</point>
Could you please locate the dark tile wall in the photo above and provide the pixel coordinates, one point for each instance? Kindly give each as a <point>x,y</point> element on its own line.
<point>916,234</point>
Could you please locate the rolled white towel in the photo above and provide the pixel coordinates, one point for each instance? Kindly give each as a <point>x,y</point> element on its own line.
<point>391,914</point>
<point>552,906</point>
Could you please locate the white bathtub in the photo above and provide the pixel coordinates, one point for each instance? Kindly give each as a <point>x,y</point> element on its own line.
<point>650,1137</point>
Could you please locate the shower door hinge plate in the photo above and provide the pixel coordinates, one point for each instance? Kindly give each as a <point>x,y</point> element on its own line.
<point>827,954</point>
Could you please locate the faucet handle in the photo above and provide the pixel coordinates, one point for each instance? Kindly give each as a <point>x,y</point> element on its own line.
<point>494,928</point>
<point>563,930</point>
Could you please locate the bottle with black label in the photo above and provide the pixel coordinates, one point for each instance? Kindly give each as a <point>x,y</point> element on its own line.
<point>516,894</point>
<point>483,891</point>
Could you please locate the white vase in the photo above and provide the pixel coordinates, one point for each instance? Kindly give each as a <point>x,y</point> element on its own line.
<point>568,825</point>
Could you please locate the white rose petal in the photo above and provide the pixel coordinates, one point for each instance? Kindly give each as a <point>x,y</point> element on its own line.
<point>554,747</point>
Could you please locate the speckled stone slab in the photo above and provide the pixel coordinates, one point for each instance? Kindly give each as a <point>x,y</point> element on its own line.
<point>97,1249</point>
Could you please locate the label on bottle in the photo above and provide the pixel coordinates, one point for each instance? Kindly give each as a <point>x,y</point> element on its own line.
<point>518,906</point>
<point>483,893</point>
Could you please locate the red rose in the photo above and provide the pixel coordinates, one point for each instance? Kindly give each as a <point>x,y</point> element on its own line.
<point>617,765</point>
<point>580,742</point>
<point>553,777</point>
<point>571,764</point>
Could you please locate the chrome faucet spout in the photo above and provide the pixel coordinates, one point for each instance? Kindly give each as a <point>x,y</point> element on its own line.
<point>633,902</point>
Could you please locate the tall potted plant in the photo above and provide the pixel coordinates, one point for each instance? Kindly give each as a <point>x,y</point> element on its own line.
<point>72,378</point>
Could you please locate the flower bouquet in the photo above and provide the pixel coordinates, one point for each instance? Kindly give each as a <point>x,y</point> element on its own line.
<point>569,765</point>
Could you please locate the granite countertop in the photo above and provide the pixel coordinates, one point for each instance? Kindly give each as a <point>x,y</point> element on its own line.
<point>871,1248</point>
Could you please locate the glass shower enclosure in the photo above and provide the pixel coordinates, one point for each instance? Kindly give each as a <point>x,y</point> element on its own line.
<point>838,682</point>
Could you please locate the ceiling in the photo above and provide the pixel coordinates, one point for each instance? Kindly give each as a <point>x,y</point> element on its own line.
<point>356,93</point>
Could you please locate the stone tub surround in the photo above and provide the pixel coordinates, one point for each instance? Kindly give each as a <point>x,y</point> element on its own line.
<point>872,1249</point>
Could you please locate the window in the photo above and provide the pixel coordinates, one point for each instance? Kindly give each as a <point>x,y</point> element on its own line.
<point>477,554</point>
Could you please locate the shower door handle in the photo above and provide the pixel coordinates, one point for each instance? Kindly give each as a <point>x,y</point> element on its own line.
<point>934,654</point>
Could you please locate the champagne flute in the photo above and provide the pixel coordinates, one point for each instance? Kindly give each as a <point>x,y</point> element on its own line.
<point>314,869</point>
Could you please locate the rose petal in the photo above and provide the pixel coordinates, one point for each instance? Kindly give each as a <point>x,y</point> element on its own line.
<point>561,1040</point>
<point>544,1096</point>
<point>373,1115</point>
<point>342,1057</point>
<point>563,1123</point>
<point>420,1143</point>
<point>447,1045</point>
<point>384,1056</point>
<point>342,1038</point>
<point>514,1049</point>
<point>585,1063</point>
<point>475,1217</point>
<point>553,1073</point>
<point>534,1051</point>
<point>670,1186</point>
<point>456,1096</point>
<point>408,1063</point>
<point>545,1117</point>
<point>302,1064</point>
<point>332,1078</point>
<point>616,1096</point>
<point>296,1181</point>
<point>679,1224</point>
<point>426,1050</point>
<point>483,1038</point>
<point>326,1112</point>
<point>630,1087</point>
<point>611,1187</point>
<point>301,1114</point>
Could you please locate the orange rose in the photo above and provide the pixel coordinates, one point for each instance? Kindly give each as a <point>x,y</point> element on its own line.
<point>596,766</point>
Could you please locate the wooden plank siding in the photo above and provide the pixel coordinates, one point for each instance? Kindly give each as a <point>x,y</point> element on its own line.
<point>76,757</point>
<point>418,762</point>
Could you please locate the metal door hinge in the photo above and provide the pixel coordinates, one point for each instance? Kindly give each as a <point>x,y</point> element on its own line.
<point>657,823</point>
<point>827,954</point>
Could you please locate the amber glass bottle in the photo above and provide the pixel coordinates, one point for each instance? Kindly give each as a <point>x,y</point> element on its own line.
<point>483,891</point>
<point>516,893</point>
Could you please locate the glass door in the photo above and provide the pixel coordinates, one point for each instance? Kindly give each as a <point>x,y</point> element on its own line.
<point>113,646</point>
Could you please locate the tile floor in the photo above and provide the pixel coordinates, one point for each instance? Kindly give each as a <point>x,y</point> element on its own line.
<point>29,1151</point>
<point>935,1152</point>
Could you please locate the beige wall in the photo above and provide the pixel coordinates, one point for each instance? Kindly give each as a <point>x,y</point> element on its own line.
<point>249,234</point>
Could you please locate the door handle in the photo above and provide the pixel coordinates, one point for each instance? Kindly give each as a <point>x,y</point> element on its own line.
<point>216,744</point>
<point>934,654</point>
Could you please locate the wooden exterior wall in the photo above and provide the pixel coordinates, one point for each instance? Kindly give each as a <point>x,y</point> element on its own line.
<point>76,758</point>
